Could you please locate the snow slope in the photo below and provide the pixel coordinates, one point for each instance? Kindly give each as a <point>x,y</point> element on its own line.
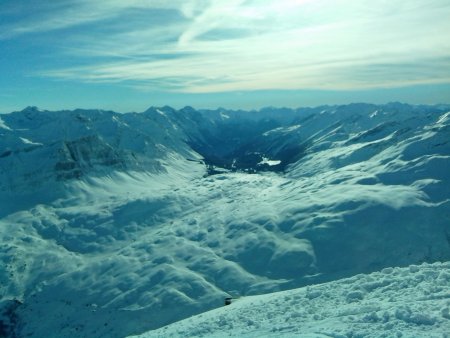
<point>42,146</point>
<point>396,302</point>
<point>111,226</point>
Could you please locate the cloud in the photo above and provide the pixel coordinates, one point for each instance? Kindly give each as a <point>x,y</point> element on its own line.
<point>43,16</point>
<point>212,46</point>
<point>217,14</point>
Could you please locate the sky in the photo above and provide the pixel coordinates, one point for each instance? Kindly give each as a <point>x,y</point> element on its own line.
<point>129,55</point>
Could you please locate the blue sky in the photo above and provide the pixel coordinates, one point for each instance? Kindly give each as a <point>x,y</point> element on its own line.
<point>129,55</point>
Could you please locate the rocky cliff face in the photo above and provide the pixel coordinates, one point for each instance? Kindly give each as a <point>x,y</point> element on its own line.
<point>41,146</point>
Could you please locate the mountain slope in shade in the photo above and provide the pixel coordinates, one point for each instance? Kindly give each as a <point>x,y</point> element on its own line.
<point>113,224</point>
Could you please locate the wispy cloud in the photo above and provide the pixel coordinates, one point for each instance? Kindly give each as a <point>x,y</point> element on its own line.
<point>43,16</point>
<point>212,46</point>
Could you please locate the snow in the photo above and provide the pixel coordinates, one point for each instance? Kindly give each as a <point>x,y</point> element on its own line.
<point>444,119</point>
<point>3,125</point>
<point>269,162</point>
<point>283,130</point>
<point>26,141</point>
<point>375,113</point>
<point>224,116</point>
<point>112,226</point>
<point>395,302</point>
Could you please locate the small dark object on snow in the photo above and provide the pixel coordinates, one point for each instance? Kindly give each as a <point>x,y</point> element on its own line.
<point>228,300</point>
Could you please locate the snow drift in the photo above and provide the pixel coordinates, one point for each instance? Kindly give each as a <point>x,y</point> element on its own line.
<point>396,302</point>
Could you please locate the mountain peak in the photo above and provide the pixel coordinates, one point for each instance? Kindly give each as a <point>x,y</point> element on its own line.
<point>30,109</point>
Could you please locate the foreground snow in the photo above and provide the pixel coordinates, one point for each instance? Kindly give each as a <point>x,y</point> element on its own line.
<point>396,302</point>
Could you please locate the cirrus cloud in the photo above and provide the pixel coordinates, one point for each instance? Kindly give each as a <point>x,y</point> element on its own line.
<point>201,46</point>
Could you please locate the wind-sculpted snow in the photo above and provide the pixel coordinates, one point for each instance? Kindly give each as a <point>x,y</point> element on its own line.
<point>111,226</point>
<point>408,302</point>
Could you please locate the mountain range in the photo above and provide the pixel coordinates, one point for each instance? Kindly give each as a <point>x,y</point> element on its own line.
<point>113,224</point>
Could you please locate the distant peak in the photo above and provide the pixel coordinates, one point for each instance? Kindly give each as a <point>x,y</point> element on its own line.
<point>164,109</point>
<point>31,109</point>
<point>188,109</point>
<point>168,109</point>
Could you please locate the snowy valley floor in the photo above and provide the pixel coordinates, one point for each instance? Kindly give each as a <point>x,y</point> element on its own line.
<point>396,302</point>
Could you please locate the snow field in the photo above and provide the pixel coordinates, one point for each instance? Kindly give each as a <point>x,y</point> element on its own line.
<point>117,250</point>
<point>395,302</point>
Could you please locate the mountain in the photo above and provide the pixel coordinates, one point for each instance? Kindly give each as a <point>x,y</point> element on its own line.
<point>114,224</point>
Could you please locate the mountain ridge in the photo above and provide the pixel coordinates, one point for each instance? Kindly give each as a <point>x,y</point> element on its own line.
<point>108,219</point>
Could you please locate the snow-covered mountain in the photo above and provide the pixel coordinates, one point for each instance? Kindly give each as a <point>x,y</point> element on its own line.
<point>114,224</point>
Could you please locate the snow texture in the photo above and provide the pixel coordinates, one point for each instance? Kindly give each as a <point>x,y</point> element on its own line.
<point>396,302</point>
<point>115,224</point>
